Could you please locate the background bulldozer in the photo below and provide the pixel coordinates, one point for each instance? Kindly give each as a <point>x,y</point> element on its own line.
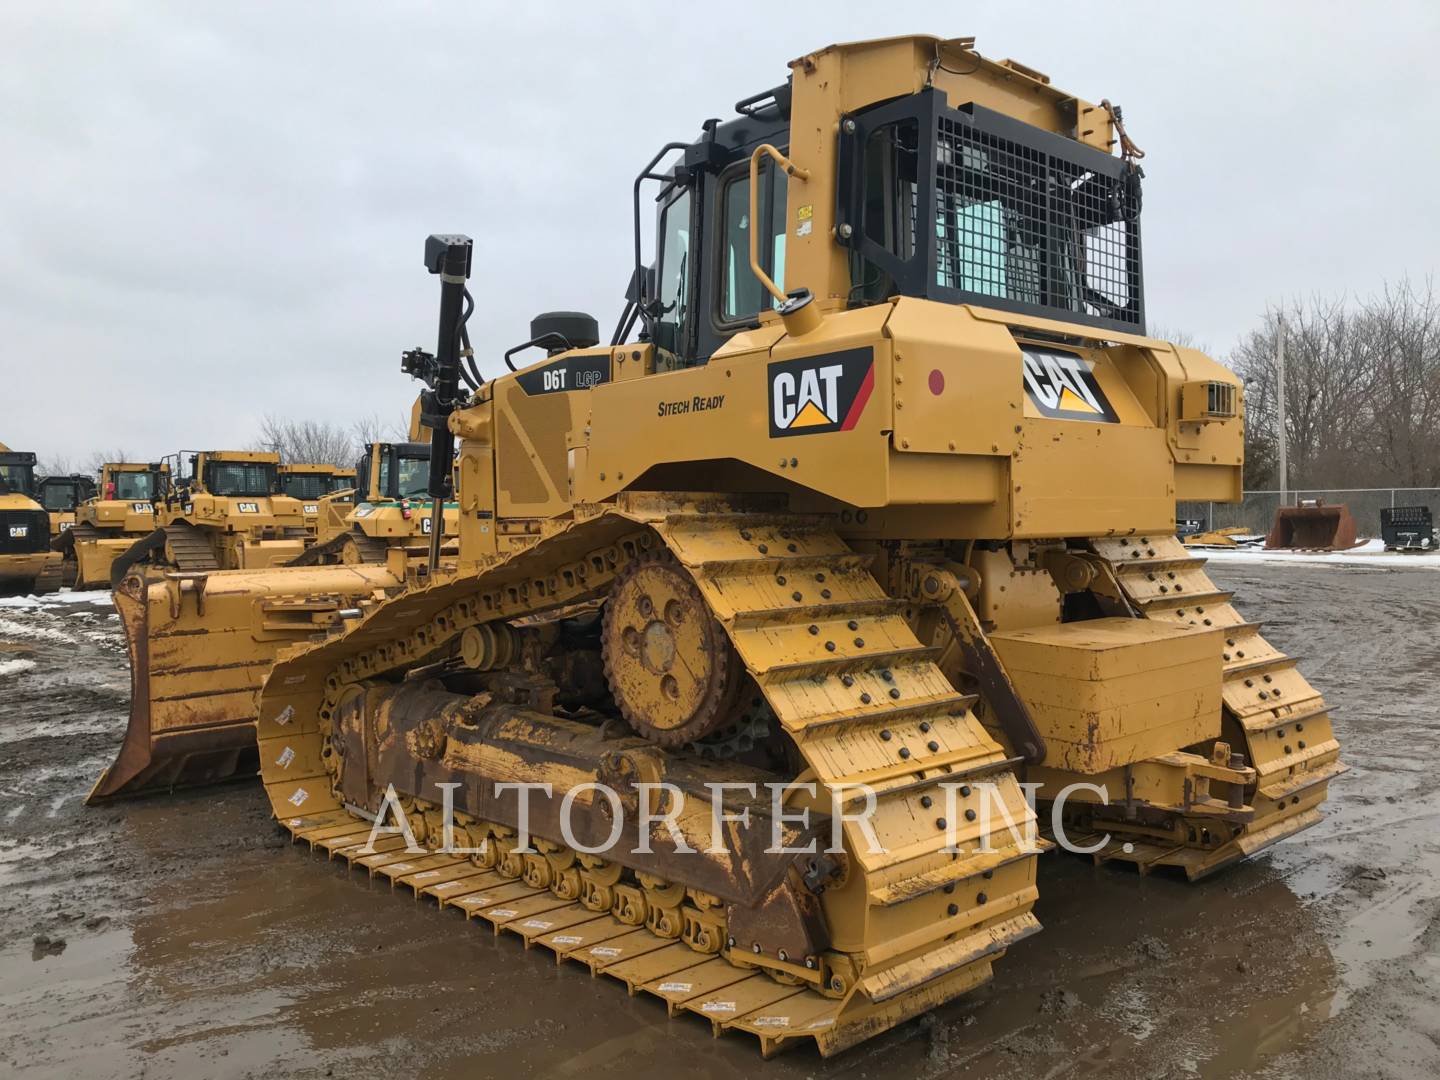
<point>61,496</point>
<point>391,508</point>
<point>108,524</point>
<point>869,504</point>
<point>308,484</point>
<point>26,561</point>
<point>227,513</point>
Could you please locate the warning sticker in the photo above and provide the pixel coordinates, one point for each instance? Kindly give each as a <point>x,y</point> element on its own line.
<point>674,988</point>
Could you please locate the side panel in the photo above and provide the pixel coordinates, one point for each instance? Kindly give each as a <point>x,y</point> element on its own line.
<point>806,424</point>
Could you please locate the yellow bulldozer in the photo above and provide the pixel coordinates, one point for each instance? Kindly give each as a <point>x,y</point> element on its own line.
<point>26,561</point>
<point>228,513</point>
<point>763,612</point>
<point>391,508</point>
<point>308,484</point>
<point>61,497</point>
<point>108,524</point>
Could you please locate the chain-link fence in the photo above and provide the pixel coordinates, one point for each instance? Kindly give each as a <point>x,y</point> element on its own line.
<point>1257,510</point>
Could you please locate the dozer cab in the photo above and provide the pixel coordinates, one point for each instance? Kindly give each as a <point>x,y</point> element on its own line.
<point>308,484</point>
<point>109,523</point>
<point>392,509</point>
<point>61,497</point>
<point>228,513</point>
<point>26,561</point>
<point>764,610</point>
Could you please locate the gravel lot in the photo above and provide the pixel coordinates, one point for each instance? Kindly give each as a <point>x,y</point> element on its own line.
<point>184,936</point>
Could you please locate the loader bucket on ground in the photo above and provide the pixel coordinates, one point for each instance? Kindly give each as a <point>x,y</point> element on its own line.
<point>1313,527</point>
<point>200,645</point>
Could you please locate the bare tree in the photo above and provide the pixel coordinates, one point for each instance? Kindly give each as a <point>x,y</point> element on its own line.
<point>1362,391</point>
<point>58,465</point>
<point>374,428</point>
<point>308,442</point>
<point>99,458</point>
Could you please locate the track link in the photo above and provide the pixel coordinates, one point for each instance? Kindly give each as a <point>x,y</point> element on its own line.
<point>847,679</point>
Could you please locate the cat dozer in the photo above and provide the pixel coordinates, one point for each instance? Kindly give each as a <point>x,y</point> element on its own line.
<point>309,484</point>
<point>393,509</point>
<point>108,524</point>
<point>227,514</point>
<point>864,517</point>
<point>61,497</point>
<point>1312,525</point>
<point>26,561</point>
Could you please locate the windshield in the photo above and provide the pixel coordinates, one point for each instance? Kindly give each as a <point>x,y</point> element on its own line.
<point>18,478</point>
<point>60,495</point>
<point>306,485</point>
<point>341,483</point>
<point>412,476</point>
<point>136,486</point>
<point>240,478</point>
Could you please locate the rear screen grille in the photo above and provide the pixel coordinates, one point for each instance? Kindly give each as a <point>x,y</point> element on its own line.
<point>1018,224</point>
<point>967,205</point>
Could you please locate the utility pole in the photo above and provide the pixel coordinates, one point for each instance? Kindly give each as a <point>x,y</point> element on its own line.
<point>1280,380</point>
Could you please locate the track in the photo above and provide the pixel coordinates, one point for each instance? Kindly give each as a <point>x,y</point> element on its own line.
<point>179,544</point>
<point>910,927</point>
<point>366,548</point>
<point>1271,711</point>
<point>188,549</point>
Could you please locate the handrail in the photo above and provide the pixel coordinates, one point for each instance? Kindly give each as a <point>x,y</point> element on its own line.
<point>791,169</point>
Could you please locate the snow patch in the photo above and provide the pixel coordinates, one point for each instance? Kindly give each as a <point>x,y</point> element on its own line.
<point>67,596</point>
<point>1372,553</point>
<point>21,631</point>
<point>63,597</point>
<point>15,667</point>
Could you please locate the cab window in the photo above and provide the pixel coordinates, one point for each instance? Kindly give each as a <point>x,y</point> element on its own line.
<point>137,486</point>
<point>675,271</point>
<point>59,497</point>
<point>741,295</point>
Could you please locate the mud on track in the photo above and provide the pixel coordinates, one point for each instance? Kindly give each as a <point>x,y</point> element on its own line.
<point>184,936</point>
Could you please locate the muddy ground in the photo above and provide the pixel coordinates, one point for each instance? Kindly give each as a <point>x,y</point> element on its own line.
<point>183,936</point>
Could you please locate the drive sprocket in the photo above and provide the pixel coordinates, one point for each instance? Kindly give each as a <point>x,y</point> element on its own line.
<point>670,665</point>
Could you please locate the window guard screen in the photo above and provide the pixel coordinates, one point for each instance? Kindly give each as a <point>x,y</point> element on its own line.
<point>1021,219</point>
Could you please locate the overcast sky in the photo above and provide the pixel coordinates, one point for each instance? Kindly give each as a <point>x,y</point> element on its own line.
<point>215,211</point>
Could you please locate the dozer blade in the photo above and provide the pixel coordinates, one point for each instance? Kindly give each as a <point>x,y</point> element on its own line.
<point>200,645</point>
